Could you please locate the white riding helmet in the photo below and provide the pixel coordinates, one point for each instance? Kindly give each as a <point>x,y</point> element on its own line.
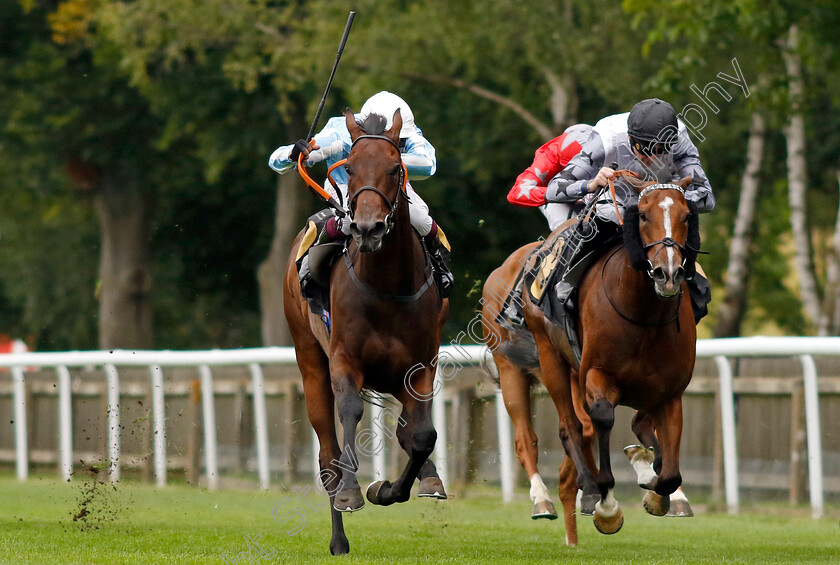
<point>385,104</point>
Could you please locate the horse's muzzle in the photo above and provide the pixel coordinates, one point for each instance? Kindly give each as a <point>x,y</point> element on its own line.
<point>368,234</point>
<point>667,282</point>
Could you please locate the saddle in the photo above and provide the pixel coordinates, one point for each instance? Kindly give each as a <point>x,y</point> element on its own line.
<point>314,264</point>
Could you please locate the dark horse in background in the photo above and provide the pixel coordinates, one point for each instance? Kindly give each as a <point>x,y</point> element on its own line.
<point>638,342</point>
<point>387,317</point>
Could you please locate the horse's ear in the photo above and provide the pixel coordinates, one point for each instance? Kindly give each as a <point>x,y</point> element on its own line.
<point>352,126</point>
<point>684,182</point>
<point>396,126</point>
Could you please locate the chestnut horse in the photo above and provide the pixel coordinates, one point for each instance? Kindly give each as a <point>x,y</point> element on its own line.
<point>386,325</point>
<point>638,340</point>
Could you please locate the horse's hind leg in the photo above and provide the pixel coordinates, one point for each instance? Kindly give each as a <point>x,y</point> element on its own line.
<point>568,495</point>
<point>320,403</point>
<point>320,409</point>
<point>417,437</point>
<point>608,516</point>
<point>555,376</point>
<point>516,391</point>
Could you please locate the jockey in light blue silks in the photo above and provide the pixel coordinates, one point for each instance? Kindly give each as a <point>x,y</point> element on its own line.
<point>333,144</point>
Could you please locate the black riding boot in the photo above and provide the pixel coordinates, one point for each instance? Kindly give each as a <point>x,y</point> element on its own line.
<point>439,254</point>
<point>700,292</point>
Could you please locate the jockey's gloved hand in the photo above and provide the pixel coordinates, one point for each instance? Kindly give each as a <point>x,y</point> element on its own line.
<point>301,146</point>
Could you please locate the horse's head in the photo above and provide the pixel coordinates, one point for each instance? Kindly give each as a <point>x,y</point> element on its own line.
<point>661,234</point>
<point>376,177</point>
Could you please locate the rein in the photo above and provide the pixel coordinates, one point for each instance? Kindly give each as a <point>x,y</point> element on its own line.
<point>676,316</point>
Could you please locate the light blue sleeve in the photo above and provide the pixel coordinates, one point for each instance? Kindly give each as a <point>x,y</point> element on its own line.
<point>334,141</point>
<point>419,157</point>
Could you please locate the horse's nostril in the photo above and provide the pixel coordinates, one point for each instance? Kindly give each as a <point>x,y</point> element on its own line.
<point>354,230</point>
<point>378,230</point>
<point>679,276</point>
<point>659,274</point>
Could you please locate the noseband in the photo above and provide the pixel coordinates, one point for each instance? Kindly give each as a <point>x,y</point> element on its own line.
<point>392,205</point>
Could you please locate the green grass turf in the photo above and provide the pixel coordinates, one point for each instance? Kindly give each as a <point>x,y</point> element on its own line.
<point>135,523</point>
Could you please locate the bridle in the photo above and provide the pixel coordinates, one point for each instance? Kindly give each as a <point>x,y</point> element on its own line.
<point>389,222</point>
<point>667,241</point>
<point>392,204</point>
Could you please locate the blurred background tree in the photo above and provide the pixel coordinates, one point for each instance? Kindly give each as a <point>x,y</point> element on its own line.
<point>134,136</point>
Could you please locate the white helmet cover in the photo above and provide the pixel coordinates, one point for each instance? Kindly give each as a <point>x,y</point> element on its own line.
<point>385,104</point>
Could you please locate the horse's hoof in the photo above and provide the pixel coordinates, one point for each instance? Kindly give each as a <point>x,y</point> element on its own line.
<point>680,509</point>
<point>340,547</point>
<point>608,524</point>
<point>544,509</point>
<point>374,490</point>
<point>349,500</point>
<point>588,502</point>
<point>655,504</point>
<point>431,487</point>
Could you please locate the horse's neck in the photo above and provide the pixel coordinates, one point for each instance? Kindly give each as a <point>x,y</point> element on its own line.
<point>399,266</point>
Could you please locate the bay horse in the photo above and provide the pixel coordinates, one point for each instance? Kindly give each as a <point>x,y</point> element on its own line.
<point>386,321</point>
<point>638,345</point>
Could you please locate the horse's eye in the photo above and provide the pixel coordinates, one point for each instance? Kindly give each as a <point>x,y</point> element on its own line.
<point>348,170</point>
<point>395,171</point>
<point>643,216</point>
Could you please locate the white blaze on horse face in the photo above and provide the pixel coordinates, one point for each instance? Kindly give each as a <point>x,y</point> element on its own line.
<point>666,204</point>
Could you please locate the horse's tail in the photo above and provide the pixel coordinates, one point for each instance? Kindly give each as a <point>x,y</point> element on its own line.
<point>521,350</point>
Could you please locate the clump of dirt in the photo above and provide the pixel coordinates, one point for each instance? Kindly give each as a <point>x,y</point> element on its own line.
<point>97,504</point>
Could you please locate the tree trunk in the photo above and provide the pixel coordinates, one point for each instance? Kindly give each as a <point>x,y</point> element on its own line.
<point>798,178</point>
<point>830,318</point>
<point>290,197</point>
<point>563,102</point>
<point>125,306</point>
<point>732,310</point>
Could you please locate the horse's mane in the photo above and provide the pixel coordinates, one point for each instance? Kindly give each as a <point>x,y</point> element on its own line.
<point>635,247</point>
<point>373,124</point>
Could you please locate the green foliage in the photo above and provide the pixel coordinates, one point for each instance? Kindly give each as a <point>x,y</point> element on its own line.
<point>187,98</point>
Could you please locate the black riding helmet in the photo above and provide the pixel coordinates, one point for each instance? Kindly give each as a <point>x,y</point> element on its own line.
<point>652,126</point>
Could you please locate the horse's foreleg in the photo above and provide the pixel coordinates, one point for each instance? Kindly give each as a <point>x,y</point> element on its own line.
<point>647,462</point>
<point>417,437</point>
<point>646,458</point>
<point>516,392</point>
<point>601,400</point>
<point>668,421</point>
<point>350,410</point>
